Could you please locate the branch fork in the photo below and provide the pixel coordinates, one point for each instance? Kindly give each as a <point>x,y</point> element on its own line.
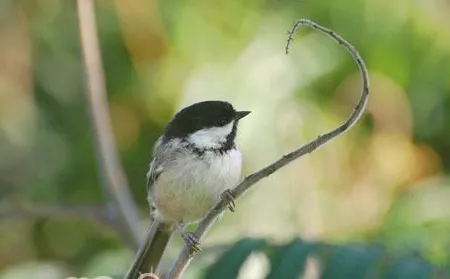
<point>110,167</point>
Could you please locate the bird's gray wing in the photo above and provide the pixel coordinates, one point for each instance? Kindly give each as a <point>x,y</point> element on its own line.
<point>156,165</point>
<point>154,171</point>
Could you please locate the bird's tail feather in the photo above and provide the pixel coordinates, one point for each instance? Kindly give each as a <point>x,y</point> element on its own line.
<point>150,253</point>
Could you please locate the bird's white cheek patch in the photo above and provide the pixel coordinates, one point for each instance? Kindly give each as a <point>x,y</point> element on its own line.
<point>211,137</point>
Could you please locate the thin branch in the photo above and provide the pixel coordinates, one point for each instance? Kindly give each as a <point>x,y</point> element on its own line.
<point>112,173</point>
<point>185,256</point>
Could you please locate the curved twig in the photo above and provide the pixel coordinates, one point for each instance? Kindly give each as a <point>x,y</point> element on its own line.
<point>185,257</point>
<point>114,181</point>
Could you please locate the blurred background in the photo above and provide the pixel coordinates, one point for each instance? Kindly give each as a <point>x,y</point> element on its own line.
<point>386,180</point>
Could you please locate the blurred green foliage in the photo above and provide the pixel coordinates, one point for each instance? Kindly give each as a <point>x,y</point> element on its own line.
<point>299,259</point>
<point>386,181</point>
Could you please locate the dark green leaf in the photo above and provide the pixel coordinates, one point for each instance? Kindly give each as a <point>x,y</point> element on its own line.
<point>228,265</point>
<point>409,268</point>
<point>289,261</point>
<point>350,261</point>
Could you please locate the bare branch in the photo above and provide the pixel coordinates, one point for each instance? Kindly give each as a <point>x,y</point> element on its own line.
<point>114,181</point>
<point>185,256</point>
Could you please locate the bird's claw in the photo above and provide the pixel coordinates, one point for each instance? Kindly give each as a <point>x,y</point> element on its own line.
<point>189,238</point>
<point>229,197</point>
<point>191,241</point>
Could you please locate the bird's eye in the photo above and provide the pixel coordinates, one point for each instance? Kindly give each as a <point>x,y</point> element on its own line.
<point>222,121</point>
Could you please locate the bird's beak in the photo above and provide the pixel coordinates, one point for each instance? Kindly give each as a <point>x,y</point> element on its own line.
<point>241,114</point>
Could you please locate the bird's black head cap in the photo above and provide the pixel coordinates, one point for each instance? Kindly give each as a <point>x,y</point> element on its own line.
<point>202,115</point>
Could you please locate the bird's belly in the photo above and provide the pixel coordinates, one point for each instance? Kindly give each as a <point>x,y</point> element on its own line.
<point>188,194</point>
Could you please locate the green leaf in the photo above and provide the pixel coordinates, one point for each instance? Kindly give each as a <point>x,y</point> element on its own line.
<point>350,261</point>
<point>289,261</point>
<point>231,261</point>
<point>411,267</point>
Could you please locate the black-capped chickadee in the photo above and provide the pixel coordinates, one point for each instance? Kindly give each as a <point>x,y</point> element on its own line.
<point>194,162</point>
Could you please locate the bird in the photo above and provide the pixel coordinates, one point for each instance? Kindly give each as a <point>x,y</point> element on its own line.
<point>195,162</point>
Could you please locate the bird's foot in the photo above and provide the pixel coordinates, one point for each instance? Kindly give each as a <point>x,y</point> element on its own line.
<point>229,197</point>
<point>189,238</point>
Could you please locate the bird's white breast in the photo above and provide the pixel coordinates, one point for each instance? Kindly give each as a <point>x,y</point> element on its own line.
<point>190,186</point>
